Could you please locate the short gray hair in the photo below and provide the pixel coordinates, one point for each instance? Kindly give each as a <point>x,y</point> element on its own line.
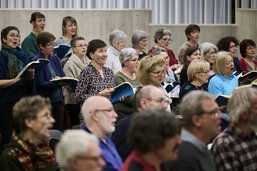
<point>206,47</point>
<point>116,35</point>
<point>241,101</point>
<point>137,36</point>
<point>73,143</point>
<point>126,54</point>
<point>191,105</point>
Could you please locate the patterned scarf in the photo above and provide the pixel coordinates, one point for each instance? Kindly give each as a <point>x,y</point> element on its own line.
<point>15,63</point>
<point>30,156</point>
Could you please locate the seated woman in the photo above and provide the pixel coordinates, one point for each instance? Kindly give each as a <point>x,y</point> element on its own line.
<point>12,61</point>
<point>224,82</point>
<point>198,73</point>
<point>72,68</point>
<point>248,53</point>
<point>95,79</point>
<point>209,52</point>
<point>139,42</point>
<point>43,85</point>
<point>191,54</point>
<point>129,62</point>
<point>28,149</point>
<point>230,44</point>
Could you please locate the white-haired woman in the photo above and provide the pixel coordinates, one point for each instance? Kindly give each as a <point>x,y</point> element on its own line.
<point>129,62</point>
<point>139,42</point>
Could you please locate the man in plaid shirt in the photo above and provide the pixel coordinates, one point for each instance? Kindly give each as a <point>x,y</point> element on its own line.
<point>236,147</point>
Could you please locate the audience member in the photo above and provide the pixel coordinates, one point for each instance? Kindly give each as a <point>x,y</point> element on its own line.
<point>118,41</point>
<point>95,79</point>
<point>72,68</point>
<point>28,149</point>
<point>201,120</point>
<point>99,119</point>
<point>79,151</point>
<point>190,54</point>
<point>248,53</point>
<point>209,52</point>
<point>129,62</point>
<point>198,73</point>
<point>139,42</point>
<point>230,44</point>
<point>162,39</point>
<point>192,32</point>
<point>146,97</point>
<point>12,61</point>
<point>154,135</point>
<point>43,85</point>
<point>29,44</point>
<point>235,148</point>
<point>224,82</point>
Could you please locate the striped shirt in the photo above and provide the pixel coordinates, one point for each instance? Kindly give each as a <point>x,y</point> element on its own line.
<point>233,150</point>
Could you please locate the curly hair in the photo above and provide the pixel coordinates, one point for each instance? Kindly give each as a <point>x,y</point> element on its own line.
<point>224,43</point>
<point>151,128</point>
<point>244,44</point>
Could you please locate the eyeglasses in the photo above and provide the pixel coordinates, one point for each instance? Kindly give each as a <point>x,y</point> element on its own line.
<point>103,110</point>
<point>51,44</point>
<point>80,46</point>
<point>161,100</point>
<point>15,36</point>
<point>251,48</point>
<point>167,39</point>
<point>215,112</point>
<point>94,158</point>
<point>158,73</point>
<point>133,60</point>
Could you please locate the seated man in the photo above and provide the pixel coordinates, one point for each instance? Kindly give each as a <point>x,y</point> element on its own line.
<point>79,151</point>
<point>28,149</point>
<point>154,136</point>
<point>99,118</point>
<point>201,116</point>
<point>235,148</point>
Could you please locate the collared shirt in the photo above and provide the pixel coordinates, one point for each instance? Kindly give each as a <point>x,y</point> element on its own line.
<point>113,60</point>
<point>221,85</point>
<point>109,152</point>
<point>189,137</point>
<point>235,151</point>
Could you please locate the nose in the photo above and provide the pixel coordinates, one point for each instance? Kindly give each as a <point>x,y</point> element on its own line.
<point>101,163</point>
<point>51,119</point>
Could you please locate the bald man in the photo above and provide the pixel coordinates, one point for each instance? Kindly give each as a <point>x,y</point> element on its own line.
<point>147,97</point>
<point>99,119</point>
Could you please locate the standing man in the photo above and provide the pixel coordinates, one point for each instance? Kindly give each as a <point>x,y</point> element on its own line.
<point>118,41</point>
<point>99,118</point>
<point>201,116</point>
<point>235,148</point>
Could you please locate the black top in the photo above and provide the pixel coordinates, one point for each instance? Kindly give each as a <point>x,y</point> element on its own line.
<point>188,86</point>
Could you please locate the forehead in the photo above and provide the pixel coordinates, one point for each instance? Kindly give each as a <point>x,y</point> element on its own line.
<point>209,104</point>
<point>93,149</point>
<point>13,31</point>
<point>158,67</point>
<point>80,41</point>
<point>156,93</point>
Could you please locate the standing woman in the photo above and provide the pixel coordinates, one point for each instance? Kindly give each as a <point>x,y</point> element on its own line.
<point>12,60</point>
<point>139,42</point>
<point>95,79</point>
<point>43,85</point>
<point>191,54</point>
<point>29,44</point>
<point>73,67</point>
<point>248,53</point>
<point>69,31</point>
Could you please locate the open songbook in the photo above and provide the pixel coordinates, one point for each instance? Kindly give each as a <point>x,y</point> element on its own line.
<point>66,81</point>
<point>247,78</point>
<point>62,50</point>
<point>39,64</point>
<point>121,91</point>
<point>222,100</point>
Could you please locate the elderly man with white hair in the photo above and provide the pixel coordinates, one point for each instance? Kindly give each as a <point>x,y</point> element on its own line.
<point>99,119</point>
<point>118,41</point>
<point>79,151</point>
